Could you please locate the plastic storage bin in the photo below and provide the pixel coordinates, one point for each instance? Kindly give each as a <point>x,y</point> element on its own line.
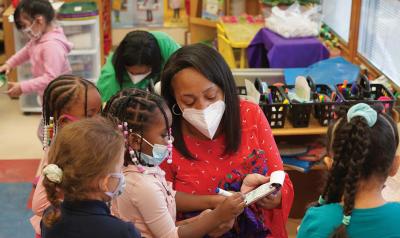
<point>276,110</point>
<point>363,91</point>
<point>82,34</point>
<point>324,110</point>
<point>86,66</point>
<point>299,113</point>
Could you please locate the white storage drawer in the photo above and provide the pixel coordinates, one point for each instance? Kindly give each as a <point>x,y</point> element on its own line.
<point>29,103</point>
<point>82,34</point>
<point>86,66</point>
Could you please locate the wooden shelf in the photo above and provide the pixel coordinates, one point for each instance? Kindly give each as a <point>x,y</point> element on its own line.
<point>314,128</point>
<point>202,22</point>
<point>2,58</point>
<point>317,166</point>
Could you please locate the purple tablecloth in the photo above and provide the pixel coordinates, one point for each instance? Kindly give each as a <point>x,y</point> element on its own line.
<point>270,50</point>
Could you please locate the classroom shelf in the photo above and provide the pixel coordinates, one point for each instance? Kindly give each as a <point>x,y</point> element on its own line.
<point>84,52</point>
<point>317,166</point>
<point>80,22</point>
<point>314,128</point>
<point>2,59</point>
<point>202,22</point>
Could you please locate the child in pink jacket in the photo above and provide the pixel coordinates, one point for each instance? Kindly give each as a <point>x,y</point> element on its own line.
<point>47,48</point>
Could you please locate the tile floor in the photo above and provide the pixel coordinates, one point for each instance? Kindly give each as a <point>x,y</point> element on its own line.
<point>17,132</point>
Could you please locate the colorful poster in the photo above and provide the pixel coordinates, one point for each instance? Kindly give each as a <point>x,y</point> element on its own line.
<point>175,13</point>
<point>137,13</point>
<point>212,9</point>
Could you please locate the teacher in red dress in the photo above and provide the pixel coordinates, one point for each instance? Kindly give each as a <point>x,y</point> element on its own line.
<point>219,139</point>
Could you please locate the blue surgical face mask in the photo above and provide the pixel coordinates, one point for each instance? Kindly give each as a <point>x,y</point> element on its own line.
<point>120,186</point>
<point>160,153</point>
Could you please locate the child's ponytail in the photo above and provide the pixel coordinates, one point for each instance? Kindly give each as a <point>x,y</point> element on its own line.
<point>52,178</point>
<point>362,144</point>
<point>353,156</point>
<point>82,152</point>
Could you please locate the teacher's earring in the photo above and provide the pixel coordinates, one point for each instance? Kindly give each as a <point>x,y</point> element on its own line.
<point>174,110</point>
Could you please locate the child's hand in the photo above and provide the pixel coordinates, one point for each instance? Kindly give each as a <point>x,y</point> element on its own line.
<point>192,219</point>
<point>231,207</point>
<point>252,181</point>
<point>14,89</point>
<point>222,229</point>
<point>5,68</point>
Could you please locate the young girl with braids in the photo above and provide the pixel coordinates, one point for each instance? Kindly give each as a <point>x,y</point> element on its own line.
<point>66,99</point>
<point>83,175</point>
<point>362,147</point>
<point>149,201</point>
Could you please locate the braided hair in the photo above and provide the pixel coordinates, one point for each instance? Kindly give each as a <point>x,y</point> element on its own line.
<point>61,93</point>
<point>110,105</point>
<point>359,153</point>
<point>137,108</point>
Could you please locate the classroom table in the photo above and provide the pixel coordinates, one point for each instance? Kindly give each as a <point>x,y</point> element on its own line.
<point>270,50</point>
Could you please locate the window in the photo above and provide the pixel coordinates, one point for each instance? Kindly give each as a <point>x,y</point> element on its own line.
<point>379,36</point>
<point>336,14</point>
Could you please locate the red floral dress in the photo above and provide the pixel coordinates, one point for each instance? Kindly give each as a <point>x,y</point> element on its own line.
<point>258,153</point>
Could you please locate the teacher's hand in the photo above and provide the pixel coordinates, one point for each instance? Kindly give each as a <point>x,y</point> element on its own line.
<point>252,181</point>
<point>270,202</point>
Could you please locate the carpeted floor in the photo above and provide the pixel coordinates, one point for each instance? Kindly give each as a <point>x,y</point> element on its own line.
<point>14,221</point>
<point>16,178</point>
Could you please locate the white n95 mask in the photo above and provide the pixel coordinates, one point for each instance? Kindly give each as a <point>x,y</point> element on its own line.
<point>206,121</point>
<point>137,78</point>
<point>28,31</point>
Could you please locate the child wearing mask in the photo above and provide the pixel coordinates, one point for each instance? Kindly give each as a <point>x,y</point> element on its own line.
<point>83,175</point>
<point>47,49</point>
<point>68,98</point>
<point>149,201</point>
<point>136,63</point>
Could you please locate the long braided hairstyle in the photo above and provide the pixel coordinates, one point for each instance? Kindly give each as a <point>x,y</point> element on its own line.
<point>110,105</point>
<point>61,93</point>
<point>138,109</point>
<point>359,152</point>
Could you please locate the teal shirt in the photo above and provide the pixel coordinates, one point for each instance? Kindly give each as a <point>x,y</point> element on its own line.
<point>379,222</point>
<point>108,84</point>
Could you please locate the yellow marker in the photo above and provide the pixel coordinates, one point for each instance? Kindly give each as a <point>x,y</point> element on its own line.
<point>285,101</point>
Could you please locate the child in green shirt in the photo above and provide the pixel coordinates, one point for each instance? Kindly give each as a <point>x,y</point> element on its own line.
<point>136,63</point>
<point>361,155</point>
